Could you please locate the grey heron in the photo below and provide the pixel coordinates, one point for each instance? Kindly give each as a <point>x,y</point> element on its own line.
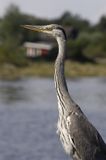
<point>79,137</point>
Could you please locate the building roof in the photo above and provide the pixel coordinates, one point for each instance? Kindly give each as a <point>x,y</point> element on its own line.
<point>38,45</point>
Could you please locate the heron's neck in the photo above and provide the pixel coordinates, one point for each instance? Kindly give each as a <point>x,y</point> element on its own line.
<point>59,78</point>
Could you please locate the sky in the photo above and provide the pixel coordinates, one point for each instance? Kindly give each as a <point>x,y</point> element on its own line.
<point>87,9</point>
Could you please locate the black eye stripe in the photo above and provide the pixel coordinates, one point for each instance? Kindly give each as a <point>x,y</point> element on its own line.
<point>62,31</point>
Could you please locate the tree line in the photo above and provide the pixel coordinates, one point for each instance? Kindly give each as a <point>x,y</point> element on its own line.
<point>86,42</point>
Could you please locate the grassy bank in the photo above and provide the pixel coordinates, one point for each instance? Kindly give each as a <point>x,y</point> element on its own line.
<point>46,69</point>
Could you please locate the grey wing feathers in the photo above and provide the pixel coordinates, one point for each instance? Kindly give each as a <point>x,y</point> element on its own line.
<point>87,141</point>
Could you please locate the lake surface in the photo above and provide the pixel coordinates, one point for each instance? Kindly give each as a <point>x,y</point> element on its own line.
<point>28,116</point>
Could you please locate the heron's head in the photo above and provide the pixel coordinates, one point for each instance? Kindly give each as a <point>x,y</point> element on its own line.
<point>54,30</point>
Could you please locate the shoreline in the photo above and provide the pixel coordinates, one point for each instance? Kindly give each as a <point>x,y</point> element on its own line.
<point>46,69</point>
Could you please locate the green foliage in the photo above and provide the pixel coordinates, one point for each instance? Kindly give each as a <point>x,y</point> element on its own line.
<point>68,19</point>
<point>12,36</point>
<point>11,26</point>
<point>75,50</point>
<point>102,24</point>
<point>12,55</point>
<point>96,48</point>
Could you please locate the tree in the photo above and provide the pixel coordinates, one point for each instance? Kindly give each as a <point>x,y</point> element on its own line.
<point>68,19</point>
<point>102,24</point>
<point>11,36</point>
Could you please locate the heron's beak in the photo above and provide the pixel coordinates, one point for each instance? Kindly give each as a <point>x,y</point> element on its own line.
<point>44,29</point>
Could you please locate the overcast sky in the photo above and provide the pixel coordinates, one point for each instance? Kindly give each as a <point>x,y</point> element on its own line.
<point>90,9</point>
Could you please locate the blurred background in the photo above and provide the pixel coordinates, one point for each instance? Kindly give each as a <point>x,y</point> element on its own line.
<point>28,104</point>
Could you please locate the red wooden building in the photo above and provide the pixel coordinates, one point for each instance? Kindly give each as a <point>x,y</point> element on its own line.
<point>37,49</point>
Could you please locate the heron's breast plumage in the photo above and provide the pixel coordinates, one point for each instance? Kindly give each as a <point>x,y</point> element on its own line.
<point>63,131</point>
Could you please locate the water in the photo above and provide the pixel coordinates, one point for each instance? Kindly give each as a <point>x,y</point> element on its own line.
<point>28,116</point>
